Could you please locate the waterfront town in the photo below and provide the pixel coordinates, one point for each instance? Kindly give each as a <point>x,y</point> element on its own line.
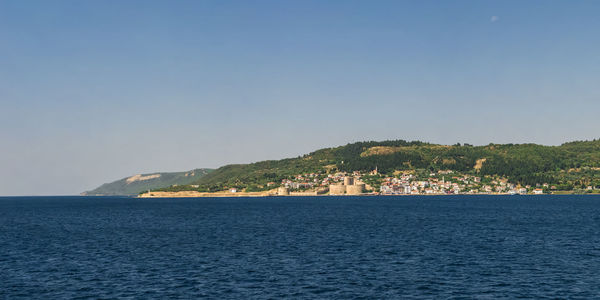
<point>442,182</point>
<point>408,182</point>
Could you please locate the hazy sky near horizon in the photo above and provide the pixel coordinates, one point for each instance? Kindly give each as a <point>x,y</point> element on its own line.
<point>93,91</point>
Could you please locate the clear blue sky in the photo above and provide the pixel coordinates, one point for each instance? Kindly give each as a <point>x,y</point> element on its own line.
<point>92,91</point>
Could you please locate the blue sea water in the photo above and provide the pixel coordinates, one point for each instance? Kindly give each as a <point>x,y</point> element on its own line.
<point>322,247</point>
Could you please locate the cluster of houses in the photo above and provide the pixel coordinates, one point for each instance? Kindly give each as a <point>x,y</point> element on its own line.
<point>441,182</point>
<point>449,183</point>
<point>314,180</point>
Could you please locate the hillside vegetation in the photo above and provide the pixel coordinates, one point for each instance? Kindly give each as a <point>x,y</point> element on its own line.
<point>571,164</point>
<point>143,182</point>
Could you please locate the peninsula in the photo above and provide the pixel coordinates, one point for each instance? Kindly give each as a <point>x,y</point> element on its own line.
<point>407,168</point>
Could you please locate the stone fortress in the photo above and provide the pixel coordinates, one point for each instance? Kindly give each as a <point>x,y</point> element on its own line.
<point>349,187</point>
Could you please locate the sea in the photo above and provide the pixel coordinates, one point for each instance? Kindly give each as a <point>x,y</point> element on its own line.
<point>375,247</point>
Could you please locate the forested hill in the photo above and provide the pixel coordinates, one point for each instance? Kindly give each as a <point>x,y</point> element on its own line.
<point>570,163</point>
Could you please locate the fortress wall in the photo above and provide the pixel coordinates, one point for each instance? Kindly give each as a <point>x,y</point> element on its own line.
<point>356,189</point>
<point>283,191</point>
<point>337,189</point>
<point>313,193</point>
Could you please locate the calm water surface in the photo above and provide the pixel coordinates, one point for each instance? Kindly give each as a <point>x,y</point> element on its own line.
<point>350,247</point>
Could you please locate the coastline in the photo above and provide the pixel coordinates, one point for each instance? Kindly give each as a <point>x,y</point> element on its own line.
<point>194,194</point>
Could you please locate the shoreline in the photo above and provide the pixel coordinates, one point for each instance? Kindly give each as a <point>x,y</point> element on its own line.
<point>193,194</point>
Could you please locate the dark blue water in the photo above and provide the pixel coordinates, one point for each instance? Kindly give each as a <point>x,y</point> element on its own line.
<point>370,247</point>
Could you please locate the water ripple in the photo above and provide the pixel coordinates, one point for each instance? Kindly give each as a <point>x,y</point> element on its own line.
<point>364,248</point>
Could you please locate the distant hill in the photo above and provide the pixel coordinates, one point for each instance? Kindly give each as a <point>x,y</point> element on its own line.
<point>570,164</point>
<point>143,182</point>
